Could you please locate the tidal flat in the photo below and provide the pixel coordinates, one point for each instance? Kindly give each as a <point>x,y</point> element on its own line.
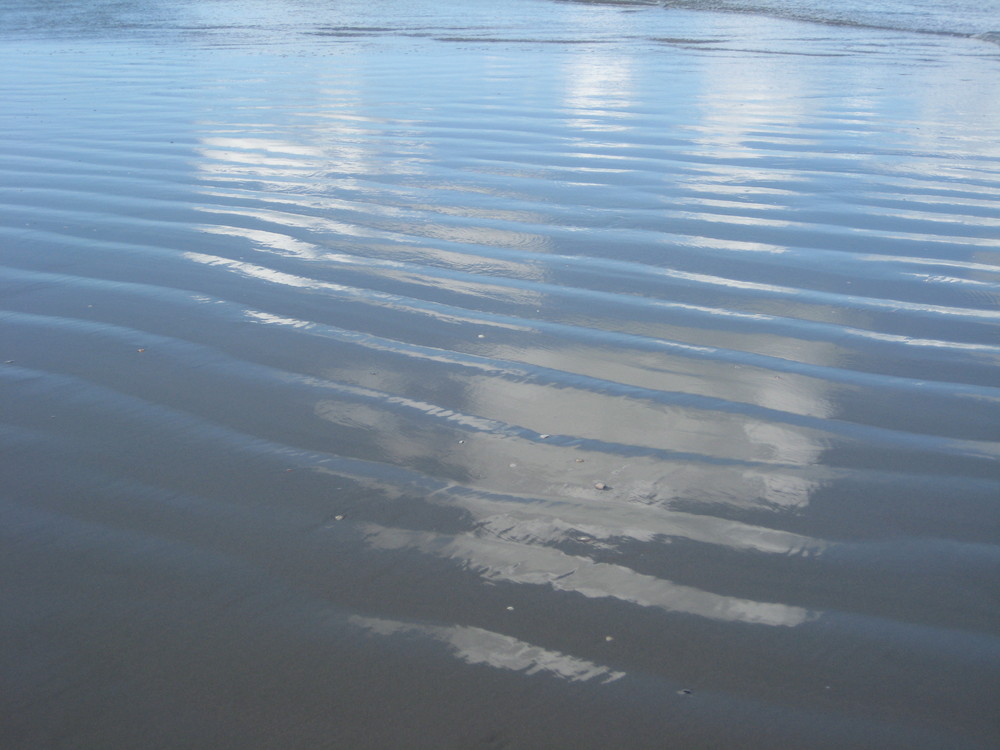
<point>521,374</point>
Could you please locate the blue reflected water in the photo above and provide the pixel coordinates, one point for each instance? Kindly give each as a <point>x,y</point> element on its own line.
<point>546,374</point>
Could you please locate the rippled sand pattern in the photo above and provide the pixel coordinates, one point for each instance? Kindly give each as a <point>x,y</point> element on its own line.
<point>547,375</point>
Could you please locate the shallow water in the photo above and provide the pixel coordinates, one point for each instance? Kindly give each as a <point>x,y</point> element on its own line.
<point>324,323</point>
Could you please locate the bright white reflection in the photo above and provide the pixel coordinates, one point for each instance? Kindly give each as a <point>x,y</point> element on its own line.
<point>598,89</point>
<point>382,299</point>
<point>532,564</point>
<point>477,646</point>
<point>276,320</point>
<point>743,100</point>
<point>553,521</point>
<point>636,422</point>
<point>253,271</point>
<point>264,145</point>
<point>281,244</point>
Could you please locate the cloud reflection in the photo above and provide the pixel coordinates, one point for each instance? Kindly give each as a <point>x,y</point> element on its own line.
<point>532,564</point>
<point>477,646</point>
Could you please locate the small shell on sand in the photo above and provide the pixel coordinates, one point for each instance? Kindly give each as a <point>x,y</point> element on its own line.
<point>601,486</point>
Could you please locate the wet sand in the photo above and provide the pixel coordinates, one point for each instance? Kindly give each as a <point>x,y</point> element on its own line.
<point>553,375</point>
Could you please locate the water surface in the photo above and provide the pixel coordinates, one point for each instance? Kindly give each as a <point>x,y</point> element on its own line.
<point>524,374</point>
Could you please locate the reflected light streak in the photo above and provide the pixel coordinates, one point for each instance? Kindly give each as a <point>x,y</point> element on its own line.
<point>842,299</point>
<point>517,563</point>
<point>270,145</point>
<point>477,646</point>
<point>599,89</point>
<point>262,273</point>
<point>272,241</point>
<point>268,164</point>
<point>555,521</point>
